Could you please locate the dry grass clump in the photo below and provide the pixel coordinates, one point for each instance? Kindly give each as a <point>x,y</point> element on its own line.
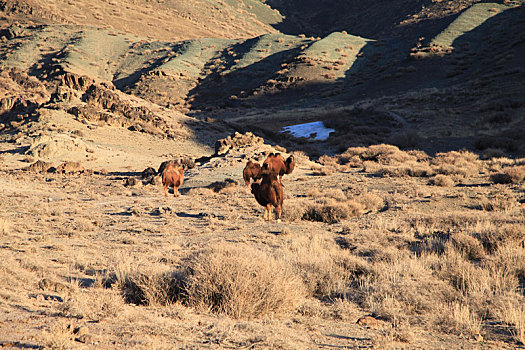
<point>332,205</point>
<point>226,185</point>
<point>494,237</point>
<point>145,283</point>
<point>332,211</point>
<point>386,154</point>
<point>382,154</point>
<point>294,210</point>
<point>387,160</point>
<point>334,193</point>
<point>323,170</point>
<point>60,336</point>
<point>464,163</point>
<point>442,180</point>
<point>371,201</point>
<point>93,304</point>
<point>403,289</point>
<point>325,268</point>
<point>509,175</point>
<point>469,246</point>
<point>503,201</point>
<point>513,314</point>
<point>408,168</point>
<point>242,282</point>
<point>458,318</point>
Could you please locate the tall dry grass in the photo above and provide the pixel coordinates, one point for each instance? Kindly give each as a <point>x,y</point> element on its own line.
<point>242,282</point>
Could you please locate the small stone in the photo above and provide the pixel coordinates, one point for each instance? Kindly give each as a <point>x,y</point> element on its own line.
<point>368,321</point>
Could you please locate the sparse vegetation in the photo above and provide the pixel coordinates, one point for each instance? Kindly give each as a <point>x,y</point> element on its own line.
<point>393,236</point>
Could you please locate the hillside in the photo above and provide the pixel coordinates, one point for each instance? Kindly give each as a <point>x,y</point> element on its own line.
<point>403,218</point>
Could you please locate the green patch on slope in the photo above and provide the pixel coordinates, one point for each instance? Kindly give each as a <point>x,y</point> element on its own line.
<point>191,56</point>
<point>94,53</point>
<point>467,21</point>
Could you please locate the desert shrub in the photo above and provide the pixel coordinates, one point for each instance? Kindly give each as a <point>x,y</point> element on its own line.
<point>323,170</point>
<point>328,160</point>
<point>512,312</point>
<point>409,168</point>
<point>509,175</point>
<point>477,283</point>
<point>325,269</point>
<point>492,238</point>
<point>331,211</point>
<point>421,156</point>
<point>403,289</point>
<point>442,180</point>
<point>144,283</point>
<point>370,201</point>
<point>334,193</point>
<point>496,202</point>
<point>458,318</point>
<point>463,163</point>
<point>351,156</point>
<point>468,245</point>
<point>381,153</point>
<point>93,304</point>
<point>386,154</point>
<point>60,336</point>
<point>241,282</point>
<point>219,186</point>
<point>371,167</point>
<point>300,157</point>
<point>294,210</point>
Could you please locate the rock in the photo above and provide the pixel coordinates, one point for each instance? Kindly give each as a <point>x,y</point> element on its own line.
<point>56,146</point>
<point>237,140</point>
<point>130,181</point>
<point>46,284</point>
<point>155,180</point>
<point>86,339</point>
<point>368,321</point>
<point>218,186</point>
<point>39,167</point>
<point>70,168</point>
<point>149,171</point>
<point>80,331</point>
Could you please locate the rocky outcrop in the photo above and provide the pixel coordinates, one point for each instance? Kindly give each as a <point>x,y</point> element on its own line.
<point>237,140</point>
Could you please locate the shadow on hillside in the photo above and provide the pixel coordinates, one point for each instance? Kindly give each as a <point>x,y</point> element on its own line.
<point>372,20</point>
<point>218,89</point>
<point>381,70</point>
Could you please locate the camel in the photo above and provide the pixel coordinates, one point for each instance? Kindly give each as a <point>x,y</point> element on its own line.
<point>274,162</point>
<point>252,170</point>
<point>172,175</point>
<point>269,192</point>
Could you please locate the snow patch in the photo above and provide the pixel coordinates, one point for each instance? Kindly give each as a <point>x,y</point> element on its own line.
<point>315,130</point>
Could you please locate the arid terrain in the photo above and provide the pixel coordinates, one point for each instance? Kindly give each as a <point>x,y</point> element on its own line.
<point>404,228</point>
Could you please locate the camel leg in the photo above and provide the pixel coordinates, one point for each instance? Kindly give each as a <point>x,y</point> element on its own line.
<point>265,213</point>
<point>176,192</point>
<point>279,212</point>
<point>165,190</point>
<point>269,208</point>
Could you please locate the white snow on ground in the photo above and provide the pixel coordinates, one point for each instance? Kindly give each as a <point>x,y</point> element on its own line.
<point>316,130</point>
